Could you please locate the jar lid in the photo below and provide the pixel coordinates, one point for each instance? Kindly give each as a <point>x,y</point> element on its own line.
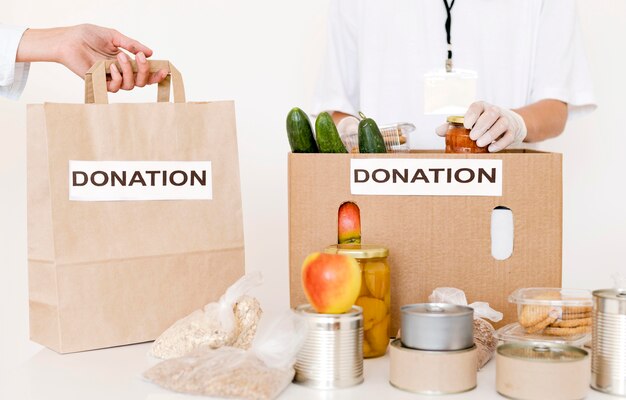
<point>358,251</point>
<point>614,294</point>
<point>556,297</point>
<point>436,309</point>
<point>542,352</point>
<point>456,119</point>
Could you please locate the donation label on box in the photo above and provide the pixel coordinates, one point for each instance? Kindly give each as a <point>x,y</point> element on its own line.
<point>426,177</point>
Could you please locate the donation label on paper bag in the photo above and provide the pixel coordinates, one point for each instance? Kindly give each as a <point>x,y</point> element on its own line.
<point>425,177</point>
<point>139,180</point>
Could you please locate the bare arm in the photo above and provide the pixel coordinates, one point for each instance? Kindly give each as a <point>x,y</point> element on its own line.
<point>79,47</point>
<point>338,116</point>
<point>544,119</point>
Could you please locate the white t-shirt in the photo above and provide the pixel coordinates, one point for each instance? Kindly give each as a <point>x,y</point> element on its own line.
<point>379,51</point>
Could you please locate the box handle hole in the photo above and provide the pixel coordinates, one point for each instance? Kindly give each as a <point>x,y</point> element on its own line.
<point>502,233</point>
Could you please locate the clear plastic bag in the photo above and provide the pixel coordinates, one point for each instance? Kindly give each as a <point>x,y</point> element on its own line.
<point>231,321</point>
<point>260,373</point>
<point>484,334</point>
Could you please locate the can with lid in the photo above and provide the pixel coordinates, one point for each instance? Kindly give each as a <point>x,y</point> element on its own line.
<point>332,354</point>
<point>375,294</point>
<point>458,138</point>
<point>437,326</point>
<point>608,355</point>
<point>542,370</point>
<point>432,372</point>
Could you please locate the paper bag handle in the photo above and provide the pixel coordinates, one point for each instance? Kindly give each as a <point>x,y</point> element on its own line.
<point>96,89</point>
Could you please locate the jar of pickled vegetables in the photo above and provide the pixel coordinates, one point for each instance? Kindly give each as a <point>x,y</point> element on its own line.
<point>458,138</point>
<point>375,295</point>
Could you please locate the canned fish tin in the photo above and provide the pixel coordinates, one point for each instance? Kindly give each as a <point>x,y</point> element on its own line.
<point>608,355</point>
<point>541,370</point>
<point>432,372</point>
<point>332,354</point>
<point>437,326</point>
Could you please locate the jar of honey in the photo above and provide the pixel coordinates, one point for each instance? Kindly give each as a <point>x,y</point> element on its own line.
<point>375,295</point>
<point>458,138</point>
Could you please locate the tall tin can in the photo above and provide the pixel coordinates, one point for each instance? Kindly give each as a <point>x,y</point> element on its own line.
<point>608,355</point>
<point>332,354</point>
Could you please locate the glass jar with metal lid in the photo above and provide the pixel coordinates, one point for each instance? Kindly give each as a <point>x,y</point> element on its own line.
<point>541,370</point>
<point>458,138</point>
<point>375,295</point>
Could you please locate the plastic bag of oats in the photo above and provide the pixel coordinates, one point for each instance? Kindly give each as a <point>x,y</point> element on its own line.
<point>260,373</point>
<point>231,321</point>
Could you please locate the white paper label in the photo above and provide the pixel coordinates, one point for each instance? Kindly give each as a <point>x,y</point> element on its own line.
<point>140,180</point>
<point>425,177</point>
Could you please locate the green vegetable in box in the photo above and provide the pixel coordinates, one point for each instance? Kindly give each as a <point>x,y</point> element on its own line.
<point>300,133</point>
<point>327,136</point>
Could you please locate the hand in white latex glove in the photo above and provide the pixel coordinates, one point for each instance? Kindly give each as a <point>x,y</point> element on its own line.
<point>348,126</point>
<point>492,126</point>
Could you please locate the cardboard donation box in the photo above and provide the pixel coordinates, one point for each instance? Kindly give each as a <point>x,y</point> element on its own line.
<point>134,214</point>
<point>434,212</point>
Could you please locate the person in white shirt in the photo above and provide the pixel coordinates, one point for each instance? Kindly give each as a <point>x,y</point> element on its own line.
<point>76,47</point>
<point>528,55</point>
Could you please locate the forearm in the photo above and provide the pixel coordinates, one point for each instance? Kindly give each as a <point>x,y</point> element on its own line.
<point>40,45</point>
<point>338,116</point>
<point>544,119</point>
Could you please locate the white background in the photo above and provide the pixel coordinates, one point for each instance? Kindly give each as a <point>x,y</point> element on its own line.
<point>265,55</point>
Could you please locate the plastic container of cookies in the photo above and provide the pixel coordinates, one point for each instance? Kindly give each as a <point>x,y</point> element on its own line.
<point>553,312</point>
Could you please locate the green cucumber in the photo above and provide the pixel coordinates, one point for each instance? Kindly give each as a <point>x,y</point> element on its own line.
<point>370,138</point>
<point>327,136</point>
<point>300,133</point>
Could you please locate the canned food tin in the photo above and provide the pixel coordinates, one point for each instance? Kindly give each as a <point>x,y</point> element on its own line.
<point>542,370</point>
<point>608,355</point>
<point>432,372</point>
<point>437,326</point>
<point>332,354</point>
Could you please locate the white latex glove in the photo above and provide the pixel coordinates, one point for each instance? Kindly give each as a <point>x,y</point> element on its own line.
<point>348,126</point>
<point>492,126</point>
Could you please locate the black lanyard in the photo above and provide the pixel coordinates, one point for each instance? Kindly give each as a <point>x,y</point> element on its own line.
<point>448,29</point>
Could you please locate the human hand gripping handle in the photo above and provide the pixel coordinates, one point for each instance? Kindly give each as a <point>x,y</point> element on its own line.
<point>79,47</point>
<point>96,80</point>
<point>492,126</point>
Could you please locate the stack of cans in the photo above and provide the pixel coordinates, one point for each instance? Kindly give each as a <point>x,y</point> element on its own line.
<point>436,354</point>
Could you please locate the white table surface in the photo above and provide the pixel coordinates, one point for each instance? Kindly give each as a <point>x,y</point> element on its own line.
<point>115,374</point>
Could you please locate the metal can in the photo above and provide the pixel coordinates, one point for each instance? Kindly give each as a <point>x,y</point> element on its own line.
<point>437,326</point>
<point>332,354</point>
<point>542,370</point>
<point>458,138</point>
<point>375,294</point>
<point>432,372</point>
<point>608,355</point>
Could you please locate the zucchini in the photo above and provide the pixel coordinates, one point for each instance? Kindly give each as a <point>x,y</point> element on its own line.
<point>370,138</point>
<point>300,133</point>
<point>328,139</point>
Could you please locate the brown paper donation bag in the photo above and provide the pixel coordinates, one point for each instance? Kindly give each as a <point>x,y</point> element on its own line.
<point>134,214</point>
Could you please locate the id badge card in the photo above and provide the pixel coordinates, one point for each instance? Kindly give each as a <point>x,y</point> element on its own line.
<point>449,93</point>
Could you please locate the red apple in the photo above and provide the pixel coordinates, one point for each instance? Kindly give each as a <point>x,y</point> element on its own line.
<point>331,282</point>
